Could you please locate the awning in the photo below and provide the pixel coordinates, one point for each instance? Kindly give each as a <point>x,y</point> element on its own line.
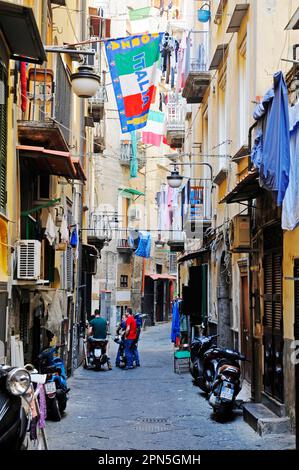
<point>52,162</point>
<point>218,56</point>
<point>294,21</point>
<point>166,277</point>
<point>79,169</point>
<point>131,191</point>
<point>20,32</point>
<point>246,189</point>
<point>195,254</point>
<point>237,17</point>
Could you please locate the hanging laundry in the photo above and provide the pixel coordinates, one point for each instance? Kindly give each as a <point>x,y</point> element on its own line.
<point>50,231</point>
<point>290,206</point>
<point>275,165</point>
<point>134,161</point>
<point>144,245</point>
<point>23,79</point>
<point>175,323</point>
<point>153,132</point>
<point>64,231</point>
<point>74,238</point>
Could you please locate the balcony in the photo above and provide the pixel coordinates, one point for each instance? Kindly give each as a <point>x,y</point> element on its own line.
<point>125,155</point>
<point>175,127</point>
<point>99,230</point>
<point>99,137</point>
<point>198,77</point>
<point>96,104</point>
<point>176,240</point>
<point>123,246</point>
<point>46,120</point>
<point>199,208</point>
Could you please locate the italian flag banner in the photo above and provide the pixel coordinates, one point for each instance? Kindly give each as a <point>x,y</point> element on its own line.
<point>154,130</point>
<point>133,63</point>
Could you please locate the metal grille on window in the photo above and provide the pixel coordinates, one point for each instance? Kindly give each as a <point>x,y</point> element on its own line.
<point>3,136</point>
<point>63,94</point>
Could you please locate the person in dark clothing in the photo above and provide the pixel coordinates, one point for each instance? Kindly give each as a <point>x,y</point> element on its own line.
<point>97,328</point>
<point>120,331</point>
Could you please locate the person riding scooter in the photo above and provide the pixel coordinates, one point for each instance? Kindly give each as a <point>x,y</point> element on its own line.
<point>97,330</point>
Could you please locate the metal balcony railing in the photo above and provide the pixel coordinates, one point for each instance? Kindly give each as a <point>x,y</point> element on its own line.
<point>199,207</point>
<point>176,111</point>
<point>99,227</point>
<point>122,242</point>
<point>197,52</point>
<point>100,97</point>
<point>126,154</point>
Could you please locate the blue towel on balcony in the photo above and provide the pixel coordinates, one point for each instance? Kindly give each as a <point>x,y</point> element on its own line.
<point>144,245</point>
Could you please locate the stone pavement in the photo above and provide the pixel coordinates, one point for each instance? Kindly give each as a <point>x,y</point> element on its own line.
<point>149,408</point>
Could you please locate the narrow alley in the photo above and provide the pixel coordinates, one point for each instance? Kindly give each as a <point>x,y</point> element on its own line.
<point>149,407</point>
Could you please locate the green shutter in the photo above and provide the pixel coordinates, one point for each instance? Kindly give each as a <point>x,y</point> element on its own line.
<point>3,136</point>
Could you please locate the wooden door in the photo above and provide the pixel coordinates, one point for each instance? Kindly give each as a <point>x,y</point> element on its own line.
<point>246,337</point>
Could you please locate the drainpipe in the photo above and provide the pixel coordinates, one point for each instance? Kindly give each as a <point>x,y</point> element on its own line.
<point>44,21</point>
<point>251,306</point>
<point>76,327</point>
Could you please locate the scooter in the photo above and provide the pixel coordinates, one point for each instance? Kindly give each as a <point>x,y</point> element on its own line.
<point>97,357</point>
<point>56,384</point>
<point>222,371</point>
<point>14,383</point>
<point>198,348</point>
<point>122,357</point>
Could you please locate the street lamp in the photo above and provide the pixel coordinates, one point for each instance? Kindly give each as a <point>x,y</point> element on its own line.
<point>85,82</point>
<point>174,180</point>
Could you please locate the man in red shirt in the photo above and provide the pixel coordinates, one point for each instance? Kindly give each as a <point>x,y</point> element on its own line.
<point>130,337</point>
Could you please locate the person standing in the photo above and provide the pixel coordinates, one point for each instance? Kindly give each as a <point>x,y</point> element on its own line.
<point>130,337</point>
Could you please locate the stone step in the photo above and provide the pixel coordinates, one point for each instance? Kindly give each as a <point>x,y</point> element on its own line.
<point>264,421</point>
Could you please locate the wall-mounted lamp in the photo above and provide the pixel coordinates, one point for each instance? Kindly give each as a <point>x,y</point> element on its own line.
<point>85,82</point>
<point>174,180</point>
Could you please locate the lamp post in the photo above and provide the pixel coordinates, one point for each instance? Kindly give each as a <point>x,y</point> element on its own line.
<point>175,179</point>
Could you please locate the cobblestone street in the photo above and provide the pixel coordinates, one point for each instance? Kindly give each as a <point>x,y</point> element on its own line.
<point>148,408</point>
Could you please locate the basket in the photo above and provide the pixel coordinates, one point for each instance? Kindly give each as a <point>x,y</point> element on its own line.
<point>181,362</point>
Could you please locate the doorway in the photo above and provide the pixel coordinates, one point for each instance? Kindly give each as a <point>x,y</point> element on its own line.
<point>273,313</point>
<point>246,337</point>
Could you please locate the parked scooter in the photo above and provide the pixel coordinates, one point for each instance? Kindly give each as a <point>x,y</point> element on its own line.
<point>222,370</point>
<point>14,383</point>
<point>97,357</point>
<point>118,339</point>
<point>56,384</point>
<point>198,348</point>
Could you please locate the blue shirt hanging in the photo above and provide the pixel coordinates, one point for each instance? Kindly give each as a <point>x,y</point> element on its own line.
<point>144,245</point>
<point>275,164</point>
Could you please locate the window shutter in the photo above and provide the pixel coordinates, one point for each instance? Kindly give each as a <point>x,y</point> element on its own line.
<point>3,137</point>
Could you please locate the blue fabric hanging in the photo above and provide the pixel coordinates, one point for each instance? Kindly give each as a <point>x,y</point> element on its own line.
<point>134,161</point>
<point>175,324</point>
<point>275,164</point>
<point>144,245</point>
<point>74,238</point>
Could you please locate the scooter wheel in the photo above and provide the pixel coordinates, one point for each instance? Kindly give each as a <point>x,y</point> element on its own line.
<point>54,412</point>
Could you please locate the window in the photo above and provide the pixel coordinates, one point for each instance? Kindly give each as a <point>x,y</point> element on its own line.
<point>243,93</point>
<point>3,136</point>
<point>123,280</point>
<point>42,187</point>
<point>222,117</point>
<point>159,268</point>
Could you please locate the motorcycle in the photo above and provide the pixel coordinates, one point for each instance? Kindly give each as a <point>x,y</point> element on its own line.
<point>222,371</point>
<point>97,357</point>
<point>14,383</point>
<point>122,356</point>
<point>197,350</point>
<point>56,384</point>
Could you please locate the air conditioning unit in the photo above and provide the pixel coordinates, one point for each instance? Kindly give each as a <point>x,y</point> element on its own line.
<point>240,234</point>
<point>29,259</point>
<point>134,213</point>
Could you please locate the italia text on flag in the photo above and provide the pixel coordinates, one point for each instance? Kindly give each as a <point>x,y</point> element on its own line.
<point>133,63</point>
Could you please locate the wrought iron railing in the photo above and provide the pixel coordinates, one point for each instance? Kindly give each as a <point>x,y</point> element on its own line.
<point>99,226</point>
